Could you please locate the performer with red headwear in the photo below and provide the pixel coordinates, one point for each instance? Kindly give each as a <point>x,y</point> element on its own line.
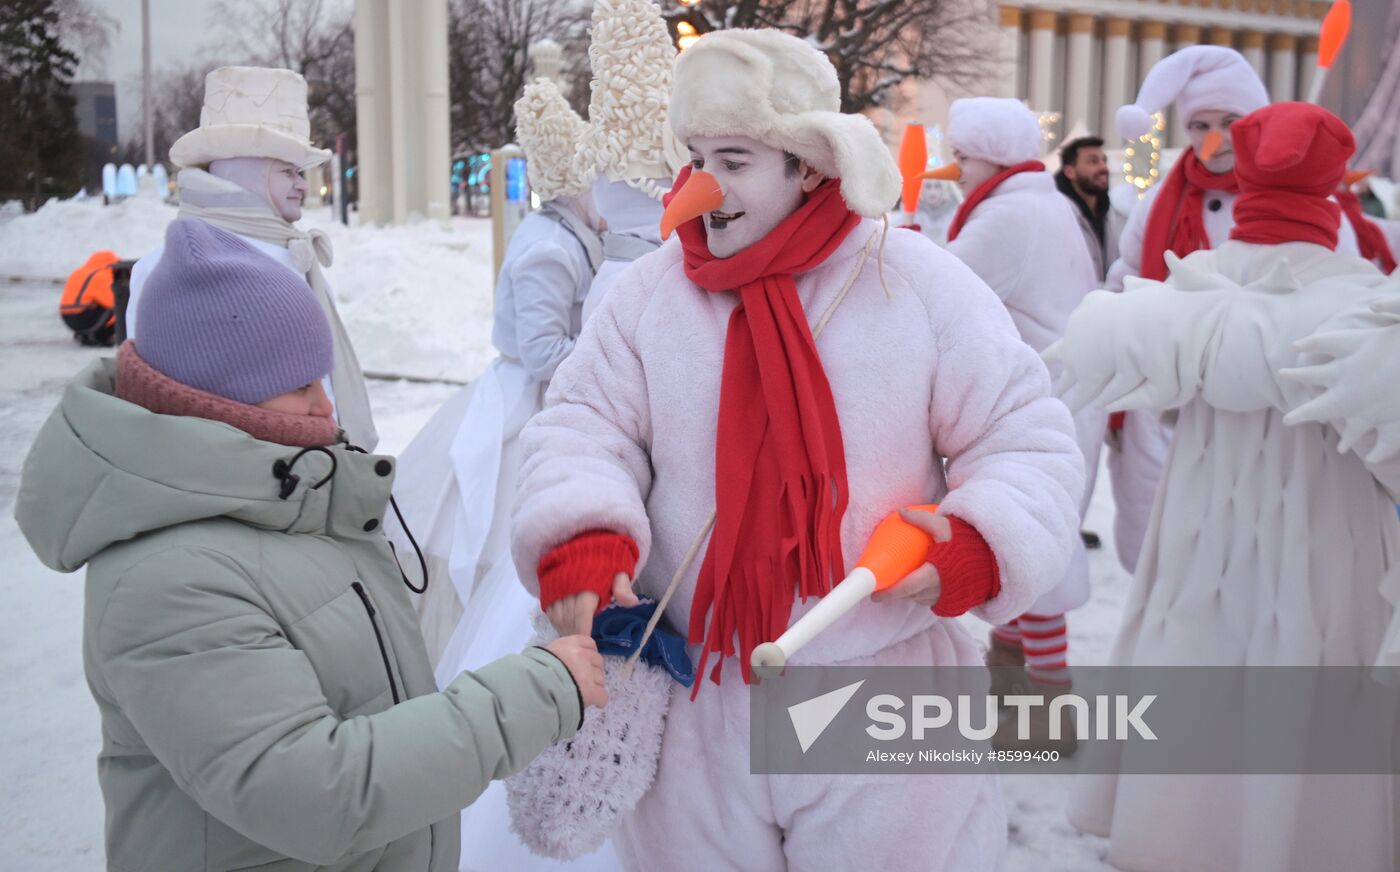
<point>803,371</point>
<point>1269,546</point>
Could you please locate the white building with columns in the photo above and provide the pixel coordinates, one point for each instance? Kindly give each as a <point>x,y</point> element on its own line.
<point>1085,58</point>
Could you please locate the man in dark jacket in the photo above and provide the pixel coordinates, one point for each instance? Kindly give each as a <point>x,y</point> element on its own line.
<point>1083,178</point>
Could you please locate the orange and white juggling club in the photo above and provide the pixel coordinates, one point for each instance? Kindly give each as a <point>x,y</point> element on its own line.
<point>895,549</point>
<point>1335,27</point>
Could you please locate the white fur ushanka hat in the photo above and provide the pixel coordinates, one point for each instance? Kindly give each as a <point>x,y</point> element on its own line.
<point>996,129</point>
<point>1196,78</point>
<point>778,89</point>
<point>549,132</point>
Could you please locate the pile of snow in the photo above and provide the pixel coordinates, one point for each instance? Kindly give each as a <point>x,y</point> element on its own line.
<point>417,299</point>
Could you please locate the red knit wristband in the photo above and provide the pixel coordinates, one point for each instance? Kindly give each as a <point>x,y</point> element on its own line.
<point>586,563</point>
<point>967,570</point>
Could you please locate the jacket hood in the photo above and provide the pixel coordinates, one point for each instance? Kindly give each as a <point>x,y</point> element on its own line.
<point>102,471</point>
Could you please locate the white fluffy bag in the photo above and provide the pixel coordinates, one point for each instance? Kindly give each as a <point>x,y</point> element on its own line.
<point>573,796</point>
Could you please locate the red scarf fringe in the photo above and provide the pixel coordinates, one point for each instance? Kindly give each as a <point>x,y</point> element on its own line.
<point>1369,235</point>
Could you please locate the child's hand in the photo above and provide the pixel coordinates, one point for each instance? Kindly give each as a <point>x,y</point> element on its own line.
<point>580,655</point>
<point>574,614</point>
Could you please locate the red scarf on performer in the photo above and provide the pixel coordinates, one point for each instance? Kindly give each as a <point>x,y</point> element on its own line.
<point>1369,235</point>
<point>780,465</point>
<point>981,192</point>
<point>1275,217</point>
<point>1177,221</point>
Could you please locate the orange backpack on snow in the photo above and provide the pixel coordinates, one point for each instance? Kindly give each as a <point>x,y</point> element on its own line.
<point>89,305</point>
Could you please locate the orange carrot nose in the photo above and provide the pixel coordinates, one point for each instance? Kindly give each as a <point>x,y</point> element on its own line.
<point>946,173</point>
<point>1354,176</point>
<point>1211,145</point>
<point>700,194</point>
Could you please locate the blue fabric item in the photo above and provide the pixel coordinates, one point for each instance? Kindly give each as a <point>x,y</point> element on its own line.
<point>617,631</point>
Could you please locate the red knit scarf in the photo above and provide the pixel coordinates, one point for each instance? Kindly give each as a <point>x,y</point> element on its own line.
<point>1274,217</point>
<point>1177,221</point>
<point>142,384</point>
<point>780,465</point>
<point>1369,235</point>
<point>981,192</point>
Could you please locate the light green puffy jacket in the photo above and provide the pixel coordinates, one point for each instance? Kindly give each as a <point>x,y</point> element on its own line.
<point>266,699</point>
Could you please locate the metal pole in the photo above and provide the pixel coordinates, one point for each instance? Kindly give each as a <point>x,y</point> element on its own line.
<point>147,115</point>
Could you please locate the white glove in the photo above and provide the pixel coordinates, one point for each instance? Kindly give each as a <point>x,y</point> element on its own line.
<point>1353,374</point>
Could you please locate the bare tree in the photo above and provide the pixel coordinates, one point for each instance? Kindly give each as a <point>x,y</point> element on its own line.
<point>488,62</point>
<point>87,31</point>
<point>315,38</point>
<point>874,44</point>
<point>177,95</point>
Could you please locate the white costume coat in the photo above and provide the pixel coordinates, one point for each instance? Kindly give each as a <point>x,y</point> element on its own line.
<point>1267,546</point>
<point>455,482</point>
<point>1041,284</point>
<point>931,370</point>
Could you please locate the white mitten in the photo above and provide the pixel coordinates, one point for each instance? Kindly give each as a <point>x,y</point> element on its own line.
<point>573,796</point>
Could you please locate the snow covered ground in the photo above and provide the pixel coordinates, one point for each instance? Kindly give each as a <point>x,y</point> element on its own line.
<point>417,301</point>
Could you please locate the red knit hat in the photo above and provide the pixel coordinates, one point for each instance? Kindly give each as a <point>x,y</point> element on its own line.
<point>1291,147</point>
<point>1289,158</point>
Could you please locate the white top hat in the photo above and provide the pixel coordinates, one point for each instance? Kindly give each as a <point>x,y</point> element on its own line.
<point>780,90</point>
<point>251,112</point>
<point>631,55</point>
<point>549,130</point>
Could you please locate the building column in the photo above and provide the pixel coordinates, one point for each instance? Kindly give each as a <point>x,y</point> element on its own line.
<point>1183,35</point>
<point>1078,69</point>
<point>1307,67</point>
<point>1283,68</point>
<point>1042,60</point>
<point>402,110</point>
<point>1252,47</point>
<point>1115,75</point>
<point>1010,49</point>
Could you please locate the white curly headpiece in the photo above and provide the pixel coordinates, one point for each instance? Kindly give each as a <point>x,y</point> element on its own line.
<point>632,58</point>
<point>549,131</point>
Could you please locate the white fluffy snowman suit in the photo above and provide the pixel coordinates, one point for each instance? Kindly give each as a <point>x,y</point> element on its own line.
<point>1269,546</point>
<point>1043,282</point>
<point>926,369</point>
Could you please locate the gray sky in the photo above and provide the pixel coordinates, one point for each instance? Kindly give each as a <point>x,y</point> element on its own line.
<point>178,29</point>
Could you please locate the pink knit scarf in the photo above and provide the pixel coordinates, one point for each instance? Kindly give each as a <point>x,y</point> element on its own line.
<point>140,383</point>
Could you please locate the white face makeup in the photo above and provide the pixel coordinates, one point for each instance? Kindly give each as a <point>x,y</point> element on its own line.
<point>761,188</point>
<point>286,189</point>
<point>975,171</point>
<point>1200,125</point>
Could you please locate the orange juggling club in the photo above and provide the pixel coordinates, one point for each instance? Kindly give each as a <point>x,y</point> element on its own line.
<point>1335,27</point>
<point>913,158</point>
<point>701,193</point>
<point>895,549</point>
<point>946,173</point>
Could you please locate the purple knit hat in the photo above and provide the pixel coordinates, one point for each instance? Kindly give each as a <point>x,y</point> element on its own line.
<point>221,316</point>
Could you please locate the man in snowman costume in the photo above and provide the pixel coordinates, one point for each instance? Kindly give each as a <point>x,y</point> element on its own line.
<point>243,169</point>
<point>791,363</point>
<point>1008,195</point>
